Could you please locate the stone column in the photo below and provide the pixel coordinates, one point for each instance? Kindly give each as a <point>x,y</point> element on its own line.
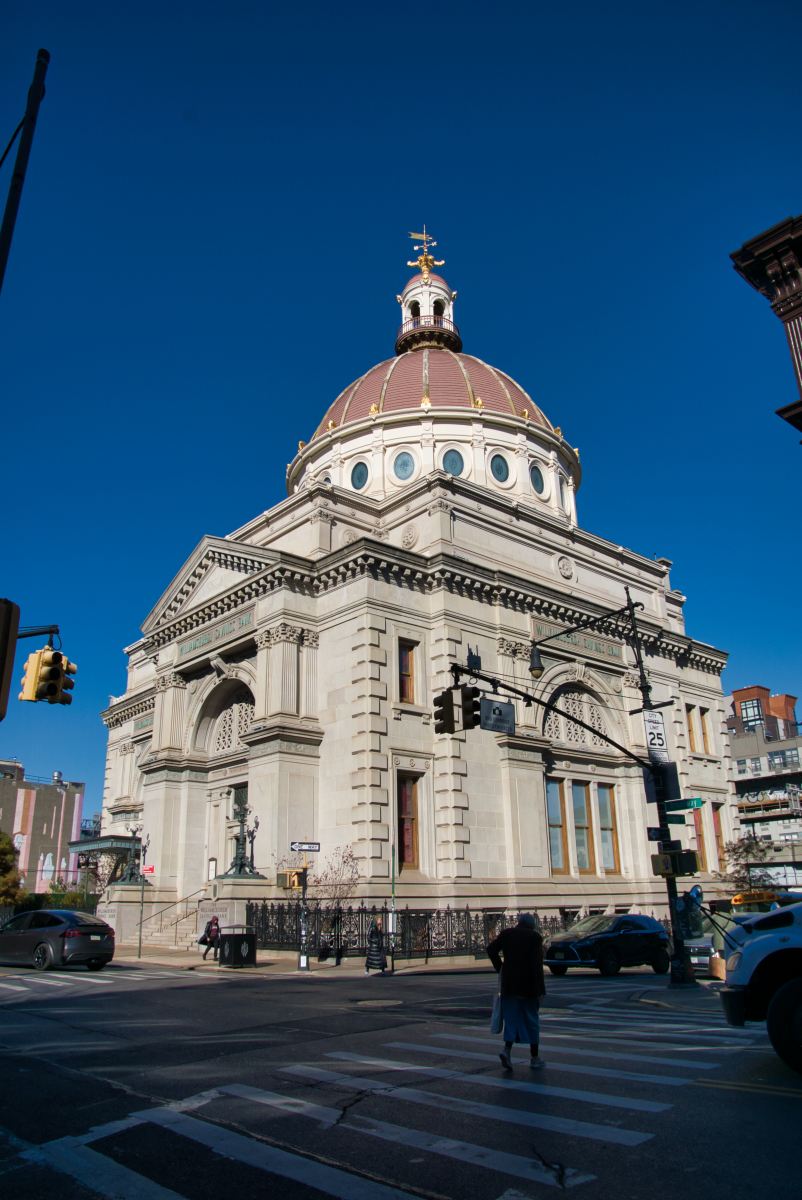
<point>283,685</point>
<point>168,725</point>
<point>320,522</point>
<point>261,698</point>
<point>308,674</point>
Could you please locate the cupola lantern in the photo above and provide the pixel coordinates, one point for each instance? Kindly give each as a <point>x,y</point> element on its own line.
<point>427,306</point>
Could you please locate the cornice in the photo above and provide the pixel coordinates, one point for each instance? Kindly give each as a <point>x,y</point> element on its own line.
<point>128,707</point>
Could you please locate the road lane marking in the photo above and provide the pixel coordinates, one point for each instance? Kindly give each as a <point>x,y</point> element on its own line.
<point>539,1089</point>
<point>493,1112</point>
<point>646,1058</point>
<point>330,1180</point>
<point>478,1156</point>
<point>763,1089</point>
<point>97,1172</point>
<point>12,987</point>
<point>569,1068</point>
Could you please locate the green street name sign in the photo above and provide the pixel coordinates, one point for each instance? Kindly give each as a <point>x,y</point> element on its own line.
<point>670,820</point>
<point>677,805</point>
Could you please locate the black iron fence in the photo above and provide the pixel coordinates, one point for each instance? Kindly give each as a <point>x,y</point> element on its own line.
<point>420,933</point>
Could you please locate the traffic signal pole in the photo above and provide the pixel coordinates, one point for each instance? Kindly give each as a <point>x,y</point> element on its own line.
<point>35,94</point>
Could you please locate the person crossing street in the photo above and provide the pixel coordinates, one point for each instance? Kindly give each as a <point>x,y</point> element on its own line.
<point>517,954</point>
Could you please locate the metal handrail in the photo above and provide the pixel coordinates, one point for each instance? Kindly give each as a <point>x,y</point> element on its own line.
<point>427,322</point>
<point>175,904</point>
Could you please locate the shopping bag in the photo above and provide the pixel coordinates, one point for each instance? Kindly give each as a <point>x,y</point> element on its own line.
<point>497,1019</point>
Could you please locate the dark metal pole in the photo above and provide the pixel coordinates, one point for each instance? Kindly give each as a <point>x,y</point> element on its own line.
<point>35,94</point>
<point>303,957</point>
<point>680,976</point>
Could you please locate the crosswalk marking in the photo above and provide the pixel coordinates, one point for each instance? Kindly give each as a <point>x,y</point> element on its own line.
<point>569,1068</point>
<point>599,1133</point>
<point>579,1036</point>
<point>98,1172</point>
<point>693,1064</point>
<point>12,987</point>
<point>327,1179</point>
<point>539,1089</point>
<point>658,1025</point>
<point>478,1156</point>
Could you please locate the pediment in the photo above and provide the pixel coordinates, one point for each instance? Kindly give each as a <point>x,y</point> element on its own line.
<point>216,565</point>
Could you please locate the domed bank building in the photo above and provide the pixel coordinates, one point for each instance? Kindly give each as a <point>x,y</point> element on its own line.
<point>295,661</point>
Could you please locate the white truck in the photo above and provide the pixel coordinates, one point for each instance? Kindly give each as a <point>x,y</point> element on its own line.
<point>764,978</point>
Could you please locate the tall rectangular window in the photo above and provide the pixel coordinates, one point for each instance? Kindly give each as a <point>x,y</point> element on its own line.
<point>689,711</point>
<point>703,718</point>
<point>741,764</point>
<point>718,836</point>
<point>607,830</point>
<point>556,815</point>
<point>700,837</point>
<point>406,672</point>
<point>583,835</point>
<point>751,713</point>
<point>407,821</point>
<point>755,765</point>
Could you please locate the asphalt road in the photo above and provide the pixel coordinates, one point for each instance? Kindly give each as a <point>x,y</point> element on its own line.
<point>148,1083</point>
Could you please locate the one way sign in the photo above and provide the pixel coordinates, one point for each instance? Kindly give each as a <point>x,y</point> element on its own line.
<point>308,847</point>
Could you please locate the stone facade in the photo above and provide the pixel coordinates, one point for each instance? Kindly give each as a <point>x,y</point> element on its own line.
<point>274,659</point>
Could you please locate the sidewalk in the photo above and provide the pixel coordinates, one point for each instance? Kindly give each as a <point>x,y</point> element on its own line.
<point>273,964</point>
<point>704,999</point>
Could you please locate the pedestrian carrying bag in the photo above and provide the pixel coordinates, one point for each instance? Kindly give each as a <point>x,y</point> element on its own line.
<point>497,1019</point>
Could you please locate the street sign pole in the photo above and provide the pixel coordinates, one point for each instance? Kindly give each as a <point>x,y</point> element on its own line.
<point>297,848</point>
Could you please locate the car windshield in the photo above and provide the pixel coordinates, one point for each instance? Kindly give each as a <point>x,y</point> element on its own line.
<point>593,925</point>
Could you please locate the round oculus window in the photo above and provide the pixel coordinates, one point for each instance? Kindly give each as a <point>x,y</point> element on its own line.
<point>499,468</point>
<point>536,475</point>
<point>359,475</point>
<point>453,462</point>
<point>404,465</point>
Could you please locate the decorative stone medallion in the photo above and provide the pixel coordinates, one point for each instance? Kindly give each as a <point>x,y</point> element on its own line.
<point>349,536</point>
<point>565,567</point>
<point>409,536</point>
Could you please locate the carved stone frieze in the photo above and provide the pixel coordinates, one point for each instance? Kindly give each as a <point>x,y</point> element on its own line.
<point>170,680</point>
<point>513,649</point>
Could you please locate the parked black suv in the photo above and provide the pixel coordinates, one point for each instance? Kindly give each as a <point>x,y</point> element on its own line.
<point>55,937</point>
<point>610,943</point>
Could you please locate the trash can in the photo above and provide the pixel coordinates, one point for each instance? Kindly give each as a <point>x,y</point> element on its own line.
<point>237,946</point>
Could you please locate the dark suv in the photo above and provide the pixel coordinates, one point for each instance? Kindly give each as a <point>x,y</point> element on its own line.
<point>55,937</point>
<point>610,943</point>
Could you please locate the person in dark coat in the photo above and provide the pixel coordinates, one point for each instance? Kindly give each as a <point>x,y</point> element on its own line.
<point>211,937</point>
<point>375,960</point>
<point>518,954</point>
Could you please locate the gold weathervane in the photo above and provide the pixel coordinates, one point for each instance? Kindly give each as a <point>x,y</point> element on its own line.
<point>425,262</point>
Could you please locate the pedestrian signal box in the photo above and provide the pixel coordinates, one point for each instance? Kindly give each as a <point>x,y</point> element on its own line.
<point>677,862</point>
<point>291,879</point>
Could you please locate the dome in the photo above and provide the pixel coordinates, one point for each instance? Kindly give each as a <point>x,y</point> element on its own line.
<point>447,379</point>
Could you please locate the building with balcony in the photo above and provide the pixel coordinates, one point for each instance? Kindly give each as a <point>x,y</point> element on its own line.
<point>766,746</point>
<point>294,661</point>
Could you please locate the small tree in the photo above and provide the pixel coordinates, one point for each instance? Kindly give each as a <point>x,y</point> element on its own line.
<point>746,871</point>
<point>65,895</point>
<point>334,883</point>
<point>11,889</point>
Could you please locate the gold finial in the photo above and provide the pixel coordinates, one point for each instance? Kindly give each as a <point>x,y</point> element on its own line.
<point>331,425</point>
<point>426,403</point>
<point>301,445</point>
<point>425,262</point>
<point>558,431</point>
<point>478,402</point>
<point>525,413</point>
<point>374,408</point>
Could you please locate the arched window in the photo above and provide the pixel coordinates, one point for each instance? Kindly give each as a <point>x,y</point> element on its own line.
<point>234,720</point>
<point>439,308</point>
<point>582,706</point>
<point>414,309</point>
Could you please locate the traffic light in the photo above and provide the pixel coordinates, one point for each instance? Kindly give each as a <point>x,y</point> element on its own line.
<point>291,879</point>
<point>444,717</point>
<point>68,668</point>
<point>49,675</point>
<point>30,679</point>
<point>471,707</point>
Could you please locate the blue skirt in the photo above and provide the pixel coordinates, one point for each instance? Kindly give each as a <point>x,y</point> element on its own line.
<point>521,1020</point>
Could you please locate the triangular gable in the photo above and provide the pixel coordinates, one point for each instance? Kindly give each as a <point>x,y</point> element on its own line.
<point>213,567</point>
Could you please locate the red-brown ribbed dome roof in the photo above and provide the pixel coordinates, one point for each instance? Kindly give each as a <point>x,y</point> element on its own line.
<point>454,381</point>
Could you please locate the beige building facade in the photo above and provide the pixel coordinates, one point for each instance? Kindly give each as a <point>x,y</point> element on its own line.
<point>434,509</point>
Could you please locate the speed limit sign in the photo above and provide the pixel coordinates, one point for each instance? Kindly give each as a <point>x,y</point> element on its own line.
<point>656,742</point>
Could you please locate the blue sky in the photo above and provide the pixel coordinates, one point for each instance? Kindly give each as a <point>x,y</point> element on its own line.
<point>213,232</point>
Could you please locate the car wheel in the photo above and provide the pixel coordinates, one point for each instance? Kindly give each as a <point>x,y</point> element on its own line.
<point>662,963</point>
<point>609,963</point>
<point>784,1024</point>
<point>43,957</point>
<point>95,964</point>
<point>558,970</point>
